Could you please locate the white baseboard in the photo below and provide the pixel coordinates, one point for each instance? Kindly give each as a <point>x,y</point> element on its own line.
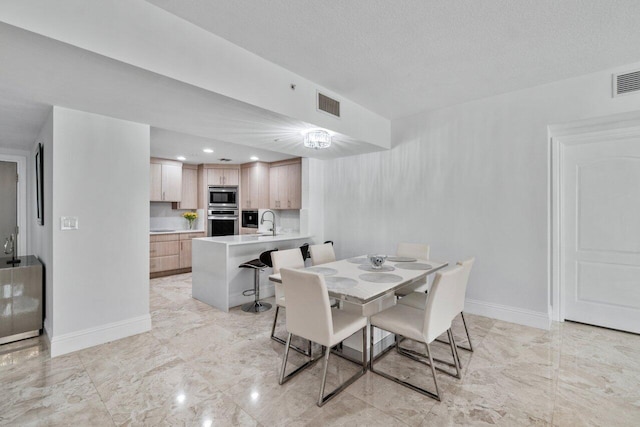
<point>507,313</point>
<point>74,341</point>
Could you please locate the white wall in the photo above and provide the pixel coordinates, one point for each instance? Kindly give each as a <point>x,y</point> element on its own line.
<point>471,179</point>
<point>41,243</point>
<point>100,274</point>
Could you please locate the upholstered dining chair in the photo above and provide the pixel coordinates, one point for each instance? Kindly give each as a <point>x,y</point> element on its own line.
<point>310,316</point>
<point>424,325</point>
<point>412,250</point>
<point>290,258</point>
<point>419,300</point>
<point>322,254</point>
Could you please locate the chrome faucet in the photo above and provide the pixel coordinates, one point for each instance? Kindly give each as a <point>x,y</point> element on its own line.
<point>273,222</point>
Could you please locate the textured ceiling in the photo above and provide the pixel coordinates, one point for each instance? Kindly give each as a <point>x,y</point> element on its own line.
<point>401,57</point>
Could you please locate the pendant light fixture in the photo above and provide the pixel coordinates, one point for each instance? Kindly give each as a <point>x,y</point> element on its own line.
<point>317,139</point>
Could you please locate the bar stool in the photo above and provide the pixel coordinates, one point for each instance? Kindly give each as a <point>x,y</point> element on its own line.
<point>258,265</point>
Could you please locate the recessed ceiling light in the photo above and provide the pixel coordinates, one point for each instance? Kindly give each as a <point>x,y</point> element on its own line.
<point>207,150</point>
<point>181,158</point>
<point>254,158</point>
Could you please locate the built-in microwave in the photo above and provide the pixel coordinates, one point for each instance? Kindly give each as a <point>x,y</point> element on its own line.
<point>250,219</point>
<point>223,197</point>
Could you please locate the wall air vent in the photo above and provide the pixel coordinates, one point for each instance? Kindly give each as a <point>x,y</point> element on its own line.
<point>328,105</point>
<point>624,84</point>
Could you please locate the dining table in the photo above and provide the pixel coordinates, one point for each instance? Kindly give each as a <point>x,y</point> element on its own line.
<point>365,290</point>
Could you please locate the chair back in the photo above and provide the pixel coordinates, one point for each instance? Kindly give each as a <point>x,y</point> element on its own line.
<point>265,257</point>
<point>290,258</point>
<point>304,249</point>
<point>466,265</point>
<point>322,254</point>
<point>442,302</point>
<point>308,307</point>
<point>413,250</point>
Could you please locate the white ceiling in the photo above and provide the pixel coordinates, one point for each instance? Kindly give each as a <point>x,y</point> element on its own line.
<point>395,58</point>
<point>401,57</point>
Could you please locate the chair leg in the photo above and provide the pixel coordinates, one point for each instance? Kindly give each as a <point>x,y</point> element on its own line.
<point>307,352</point>
<point>454,353</point>
<point>413,387</point>
<point>464,322</point>
<point>283,377</point>
<point>324,399</point>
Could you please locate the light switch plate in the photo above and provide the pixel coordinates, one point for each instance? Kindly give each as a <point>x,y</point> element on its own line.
<point>68,223</point>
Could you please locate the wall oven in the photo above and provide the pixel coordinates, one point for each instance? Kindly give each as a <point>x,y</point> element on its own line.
<point>223,197</point>
<point>223,222</point>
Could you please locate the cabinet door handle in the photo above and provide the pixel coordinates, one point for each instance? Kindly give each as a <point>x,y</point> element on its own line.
<point>163,195</point>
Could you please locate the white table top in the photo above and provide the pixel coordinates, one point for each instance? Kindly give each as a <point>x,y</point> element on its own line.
<point>366,291</point>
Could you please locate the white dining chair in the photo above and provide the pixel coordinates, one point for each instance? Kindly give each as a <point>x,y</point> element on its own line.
<point>322,254</point>
<point>424,325</point>
<point>413,250</point>
<point>290,258</point>
<point>310,316</point>
<point>419,300</point>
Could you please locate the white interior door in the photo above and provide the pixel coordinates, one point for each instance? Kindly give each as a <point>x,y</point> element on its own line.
<point>600,232</point>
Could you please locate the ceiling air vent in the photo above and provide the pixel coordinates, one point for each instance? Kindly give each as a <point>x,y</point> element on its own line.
<point>224,160</point>
<point>624,84</point>
<point>328,105</point>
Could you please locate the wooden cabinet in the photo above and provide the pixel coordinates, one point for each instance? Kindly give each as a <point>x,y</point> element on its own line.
<point>254,186</point>
<point>165,181</point>
<point>185,248</point>
<point>170,253</point>
<point>189,198</point>
<point>246,230</point>
<point>285,188</point>
<point>220,176</point>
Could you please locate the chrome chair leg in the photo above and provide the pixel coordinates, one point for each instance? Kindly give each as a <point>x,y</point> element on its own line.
<point>283,377</point>
<point>454,353</point>
<point>413,387</point>
<point>464,322</point>
<point>324,399</point>
<point>307,352</point>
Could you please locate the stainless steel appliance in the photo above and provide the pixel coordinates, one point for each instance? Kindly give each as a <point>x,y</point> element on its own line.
<point>223,197</point>
<point>250,219</point>
<point>223,222</point>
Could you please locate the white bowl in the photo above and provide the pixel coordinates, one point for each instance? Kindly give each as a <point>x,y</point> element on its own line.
<point>377,260</point>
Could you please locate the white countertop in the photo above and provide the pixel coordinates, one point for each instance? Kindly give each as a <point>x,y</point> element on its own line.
<point>248,239</point>
<point>175,232</point>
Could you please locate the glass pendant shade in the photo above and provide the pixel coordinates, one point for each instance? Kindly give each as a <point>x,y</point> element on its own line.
<point>317,139</point>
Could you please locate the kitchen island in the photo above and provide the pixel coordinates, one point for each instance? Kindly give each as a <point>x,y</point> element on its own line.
<point>218,280</point>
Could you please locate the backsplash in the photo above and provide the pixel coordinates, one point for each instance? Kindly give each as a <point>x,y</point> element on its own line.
<point>162,217</point>
<point>287,221</point>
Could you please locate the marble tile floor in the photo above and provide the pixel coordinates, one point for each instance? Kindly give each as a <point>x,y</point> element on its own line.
<point>202,367</point>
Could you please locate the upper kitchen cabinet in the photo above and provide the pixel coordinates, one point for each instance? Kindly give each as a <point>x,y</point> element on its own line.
<point>254,186</point>
<point>165,180</point>
<point>189,188</point>
<point>223,176</point>
<point>285,187</point>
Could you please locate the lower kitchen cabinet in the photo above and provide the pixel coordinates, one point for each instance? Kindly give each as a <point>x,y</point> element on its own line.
<point>171,253</point>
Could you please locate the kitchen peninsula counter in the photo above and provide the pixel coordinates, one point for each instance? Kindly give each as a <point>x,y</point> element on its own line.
<point>218,280</point>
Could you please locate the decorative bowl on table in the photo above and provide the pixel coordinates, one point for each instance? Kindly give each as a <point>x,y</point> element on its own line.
<point>376,260</point>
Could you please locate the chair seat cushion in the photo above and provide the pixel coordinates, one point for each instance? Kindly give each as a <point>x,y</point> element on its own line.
<point>415,299</point>
<point>402,320</point>
<point>344,325</point>
<point>254,263</point>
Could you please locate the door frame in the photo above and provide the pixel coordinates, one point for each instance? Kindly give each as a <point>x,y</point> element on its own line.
<point>559,137</point>
<point>21,199</point>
